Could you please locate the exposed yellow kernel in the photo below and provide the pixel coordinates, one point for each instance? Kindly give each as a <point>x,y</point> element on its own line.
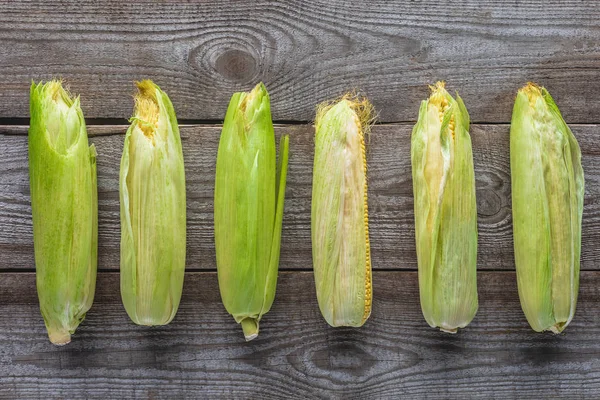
<point>533,92</point>
<point>367,242</point>
<point>439,99</point>
<point>147,111</point>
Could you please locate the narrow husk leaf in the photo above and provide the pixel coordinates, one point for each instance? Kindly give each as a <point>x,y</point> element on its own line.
<point>547,203</point>
<point>445,211</point>
<point>62,171</point>
<point>249,199</point>
<point>339,212</point>
<point>153,210</point>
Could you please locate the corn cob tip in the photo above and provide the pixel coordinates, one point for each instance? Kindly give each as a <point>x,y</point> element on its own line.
<point>361,106</point>
<point>439,96</point>
<point>259,90</point>
<point>59,338</point>
<point>252,102</point>
<point>250,328</point>
<point>53,92</point>
<point>532,91</point>
<point>146,88</point>
<point>146,111</point>
<point>438,87</point>
<point>55,89</point>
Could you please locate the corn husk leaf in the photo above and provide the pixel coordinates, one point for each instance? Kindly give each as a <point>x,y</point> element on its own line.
<point>249,199</point>
<point>62,171</point>
<point>547,202</point>
<point>339,216</point>
<point>445,211</point>
<point>153,210</point>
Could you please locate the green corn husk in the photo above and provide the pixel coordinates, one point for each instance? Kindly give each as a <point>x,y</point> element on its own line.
<point>547,202</point>
<point>64,203</point>
<point>445,211</point>
<point>153,210</point>
<point>339,216</point>
<point>249,199</point>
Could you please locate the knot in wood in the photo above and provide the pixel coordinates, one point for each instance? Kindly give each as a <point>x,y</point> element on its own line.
<point>237,65</point>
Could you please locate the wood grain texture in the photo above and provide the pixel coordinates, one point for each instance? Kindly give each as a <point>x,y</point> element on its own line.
<point>202,353</point>
<point>305,51</point>
<point>390,197</point>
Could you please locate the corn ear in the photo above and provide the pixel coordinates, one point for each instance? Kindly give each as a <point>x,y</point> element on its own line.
<point>62,171</point>
<point>547,204</point>
<point>153,210</point>
<point>445,211</point>
<point>339,212</point>
<point>249,198</point>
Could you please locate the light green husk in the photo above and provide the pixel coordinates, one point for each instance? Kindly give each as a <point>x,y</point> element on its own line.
<point>547,203</point>
<point>153,210</point>
<point>445,211</point>
<point>249,199</point>
<point>62,171</point>
<point>339,213</point>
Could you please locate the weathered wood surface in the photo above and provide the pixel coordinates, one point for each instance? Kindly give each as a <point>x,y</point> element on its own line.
<point>390,196</point>
<point>202,354</point>
<point>200,51</point>
<point>305,51</point>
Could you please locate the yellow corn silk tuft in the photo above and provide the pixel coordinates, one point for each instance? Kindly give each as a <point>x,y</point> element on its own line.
<point>64,203</point>
<point>547,204</point>
<point>445,211</point>
<point>153,210</point>
<point>249,199</point>
<point>340,222</point>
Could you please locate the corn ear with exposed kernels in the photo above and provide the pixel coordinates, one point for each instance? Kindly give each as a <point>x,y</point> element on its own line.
<point>64,203</point>
<point>547,204</point>
<point>445,211</point>
<point>153,210</point>
<point>249,199</point>
<point>339,212</point>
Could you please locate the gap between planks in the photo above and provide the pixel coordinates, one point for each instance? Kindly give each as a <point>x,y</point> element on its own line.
<point>286,270</point>
<point>109,128</point>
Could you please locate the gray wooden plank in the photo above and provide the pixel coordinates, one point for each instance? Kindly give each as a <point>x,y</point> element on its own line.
<point>305,51</point>
<point>390,197</point>
<point>202,353</point>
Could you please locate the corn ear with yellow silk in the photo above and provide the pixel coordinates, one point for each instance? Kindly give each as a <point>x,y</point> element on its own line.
<point>547,205</point>
<point>445,211</point>
<point>153,210</point>
<point>248,208</point>
<point>64,204</point>
<point>339,212</point>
